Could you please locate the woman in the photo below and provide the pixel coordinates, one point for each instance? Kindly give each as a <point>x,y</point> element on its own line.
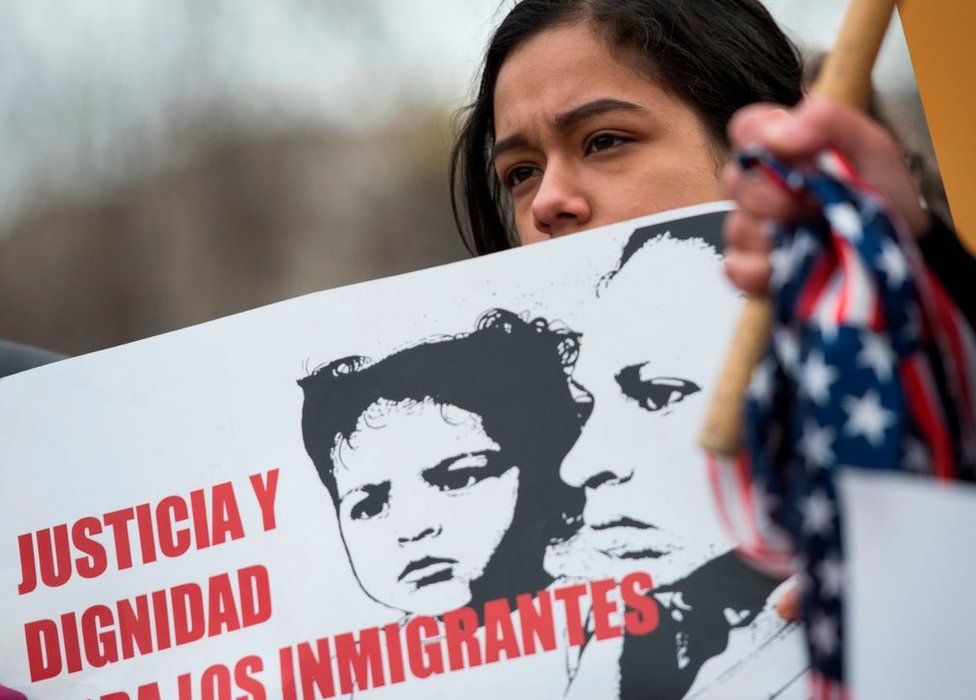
<point>442,461</point>
<point>595,111</point>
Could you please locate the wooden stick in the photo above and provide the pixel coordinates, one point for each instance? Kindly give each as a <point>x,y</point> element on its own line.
<point>845,77</point>
<point>846,72</point>
<point>722,431</point>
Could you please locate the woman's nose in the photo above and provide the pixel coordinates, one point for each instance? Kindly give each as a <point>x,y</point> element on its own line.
<point>560,206</point>
<point>591,464</point>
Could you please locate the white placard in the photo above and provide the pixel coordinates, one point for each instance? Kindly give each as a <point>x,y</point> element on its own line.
<point>495,492</point>
<point>911,609</point>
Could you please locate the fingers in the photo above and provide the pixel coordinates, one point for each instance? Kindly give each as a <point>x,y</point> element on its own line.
<point>794,136</point>
<point>744,233</point>
<point>750,123</point>
<point>815,124</point>
<point>819,123</point>
<point>747,245</point>
<point>750,272</point>
<point>761,198</point>
<point>747,252</point>
<point>790,606</point>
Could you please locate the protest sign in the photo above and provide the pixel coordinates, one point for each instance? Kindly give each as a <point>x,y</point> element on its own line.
<point>475,479</point>
<point>912,612</point>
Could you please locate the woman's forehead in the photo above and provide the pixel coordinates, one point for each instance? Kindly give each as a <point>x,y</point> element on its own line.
<point>564,66</point>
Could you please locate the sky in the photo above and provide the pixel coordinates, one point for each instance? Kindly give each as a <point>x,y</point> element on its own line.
<point>90,92</point>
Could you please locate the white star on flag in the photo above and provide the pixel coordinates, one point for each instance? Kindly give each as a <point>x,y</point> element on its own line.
<point>892,262</point>
<point>866,416</point>
<point>803,245</point>
<point>823,635</point>
<point>816,442</point>
<point>818,512</point>
<point>781,262</point>
<point>786,348</point>
<point>845,219</point>
<point>761,384</point>
<point>816,378</point>
<point>831,573</point>
<point>876,353</point>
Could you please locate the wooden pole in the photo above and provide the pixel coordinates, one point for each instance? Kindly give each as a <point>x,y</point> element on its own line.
<point>846,77</point>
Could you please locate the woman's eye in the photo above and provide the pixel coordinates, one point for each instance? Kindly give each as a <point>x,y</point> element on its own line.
<point>375,500</point>
<point>603,142</point>
<point>655,393</point>
<point>519,174</point>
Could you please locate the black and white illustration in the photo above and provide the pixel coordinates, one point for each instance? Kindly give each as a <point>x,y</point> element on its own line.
<point>486,484</point>
<point>443,462</point>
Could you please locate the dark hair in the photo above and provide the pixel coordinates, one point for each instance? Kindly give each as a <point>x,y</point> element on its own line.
<point>515,375</point>
<point>715,55</point>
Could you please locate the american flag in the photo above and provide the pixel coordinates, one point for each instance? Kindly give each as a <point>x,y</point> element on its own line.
<point>871,366</point>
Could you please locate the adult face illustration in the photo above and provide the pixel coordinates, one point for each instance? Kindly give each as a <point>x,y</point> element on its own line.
<point>420,524</point>
<point>651,348</point>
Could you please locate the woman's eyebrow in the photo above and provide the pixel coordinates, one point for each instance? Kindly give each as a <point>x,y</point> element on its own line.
<point>589,109</point>
<point>508,144</point>
<point>570,118</point>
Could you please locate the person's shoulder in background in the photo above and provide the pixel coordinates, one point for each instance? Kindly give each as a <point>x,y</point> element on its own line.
<point>15,358</point>
<point>5,692</point>
<point>953,264</point>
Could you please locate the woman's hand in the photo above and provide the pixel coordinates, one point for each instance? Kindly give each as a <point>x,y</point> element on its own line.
<point>789,606</point>
<point>794,135</point>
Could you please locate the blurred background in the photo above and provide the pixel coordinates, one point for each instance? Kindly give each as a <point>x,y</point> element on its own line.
<point>164,163</point>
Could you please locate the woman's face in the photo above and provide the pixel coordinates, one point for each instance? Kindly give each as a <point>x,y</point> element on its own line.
<point>425,496</point>
<point>584,138</point>
<point>648,358</point>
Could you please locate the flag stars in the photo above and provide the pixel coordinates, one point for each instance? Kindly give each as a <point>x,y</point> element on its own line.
<point>844,218</point>
<point>892,262</point>
<point>816,378</point>
<point>761,384</point>
<point>830,571</point>
<point>818,513</point>
<point>816,444</point>
<point>786,348</point>
<point>827,323</point>
<point>867,417</point>
<point>804,245</point>
<point>781,261</point>
<point>876,354</point>
<point>824,636</point>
